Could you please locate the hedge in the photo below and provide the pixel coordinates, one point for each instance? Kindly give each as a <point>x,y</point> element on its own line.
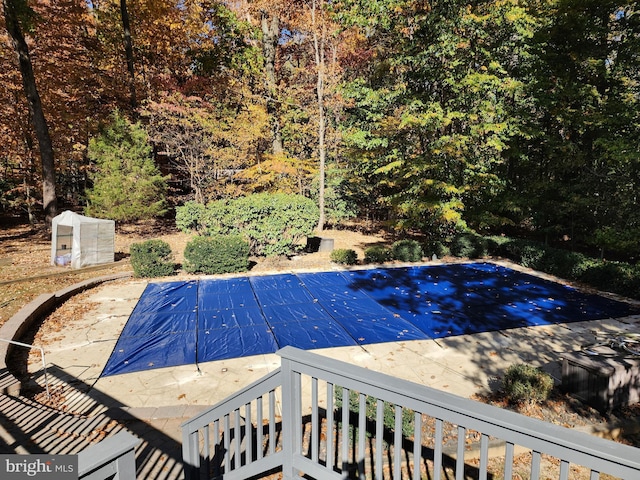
<point>152,258</point>
<point>345,256</point>
<point>217,254</point>
<point>615,277</point>
<point>406,251</point>
<point>273,224</point>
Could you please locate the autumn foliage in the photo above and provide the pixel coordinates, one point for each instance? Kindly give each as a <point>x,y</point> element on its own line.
<point>497,116</point>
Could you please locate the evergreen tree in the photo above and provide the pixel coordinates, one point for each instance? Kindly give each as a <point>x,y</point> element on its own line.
<point>127,184</point>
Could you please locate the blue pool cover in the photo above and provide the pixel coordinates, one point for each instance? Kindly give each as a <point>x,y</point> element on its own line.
<point>178,323</point>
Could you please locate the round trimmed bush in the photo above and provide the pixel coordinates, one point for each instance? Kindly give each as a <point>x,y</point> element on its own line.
<point>469,245</point>
<point>344,256</point>
<point>152,258</point>
<point>407,251</point>
<point>377,254</point>
<point>217,254</point>
<point>438,248</point>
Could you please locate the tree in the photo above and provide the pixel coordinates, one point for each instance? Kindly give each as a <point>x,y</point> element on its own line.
<point>75,95</point>
<point>579,172</point>
<point>181,127</point>
<point>277,174</point>
<point>208,142</point>
<point>319,34</point>
<point>15,12</point>
<point>275,20</point>
<point>128,48</point>
<point>127,184</point>
<point>431,115</point>
<point>270,24</point>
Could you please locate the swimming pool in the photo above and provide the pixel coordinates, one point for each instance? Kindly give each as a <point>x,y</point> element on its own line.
<point>195,321</point>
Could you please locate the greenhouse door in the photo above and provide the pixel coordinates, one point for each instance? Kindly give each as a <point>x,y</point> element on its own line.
<point>64,242</point>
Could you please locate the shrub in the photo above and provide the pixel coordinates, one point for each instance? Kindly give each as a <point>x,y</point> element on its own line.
<point>536,255</point>
<point>562,263</point>
<point>469,245</point>
<point>274,224</point>
<point>526,384</point>
<point>190,217</point>
<point>496,243</point>
<point>152,258</point>
<point>436,247</point>
<point>616,277</point>
<point>344,256</point>
<point>220,218</point>
<point>531,255</point>
<point>217,254</point>
<point>601,274</point>
<point>520,250</point>
<point>377,254</point>
<point>407,251</point>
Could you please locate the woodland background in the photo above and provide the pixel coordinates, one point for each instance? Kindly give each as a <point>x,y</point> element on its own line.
<point>498,116</point>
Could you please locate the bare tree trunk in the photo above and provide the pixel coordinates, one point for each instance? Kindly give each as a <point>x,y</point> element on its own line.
<point>40,126</point>
<point>318,44</point>
<point>128,48</point>
<point>270,36</point>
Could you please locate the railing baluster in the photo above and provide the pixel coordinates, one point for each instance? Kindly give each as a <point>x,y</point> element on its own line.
<point>362,434</point>
<point>227,444</point>
<point>535,465</point>
<point>259,429</point>
<point>397,443</point>
<point>484,456</point>
<point>237,431</point>
<point>564,470</point>
<point>508,461</point>
<point>379,438</point>
<point>248,434</point>
<point>191,453</point>
<point>272,422</point>
<point>218,449</point>
<point>437,450</point>
<point>315,424</point>
<point>417,445</point>
<point>330,427</point>
<point>207,449</point>
<point>594,475</point>
<point>297,412</point>
<point>462,437</point>
<point>344,431</point>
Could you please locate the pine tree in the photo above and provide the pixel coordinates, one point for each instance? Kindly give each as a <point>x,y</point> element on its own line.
<point>127,185</point>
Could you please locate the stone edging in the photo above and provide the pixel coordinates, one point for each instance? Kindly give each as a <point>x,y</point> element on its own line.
<point>42,305</point>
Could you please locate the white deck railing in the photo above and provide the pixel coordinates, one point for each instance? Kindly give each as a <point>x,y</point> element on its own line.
<point>112,459</point>
<point>293,419</point>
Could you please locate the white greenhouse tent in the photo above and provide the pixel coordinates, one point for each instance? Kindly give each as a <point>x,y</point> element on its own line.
<point>81,241</point>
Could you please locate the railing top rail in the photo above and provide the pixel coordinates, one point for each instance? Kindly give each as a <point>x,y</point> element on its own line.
<point>529,432</point>
<point>109,449</point>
